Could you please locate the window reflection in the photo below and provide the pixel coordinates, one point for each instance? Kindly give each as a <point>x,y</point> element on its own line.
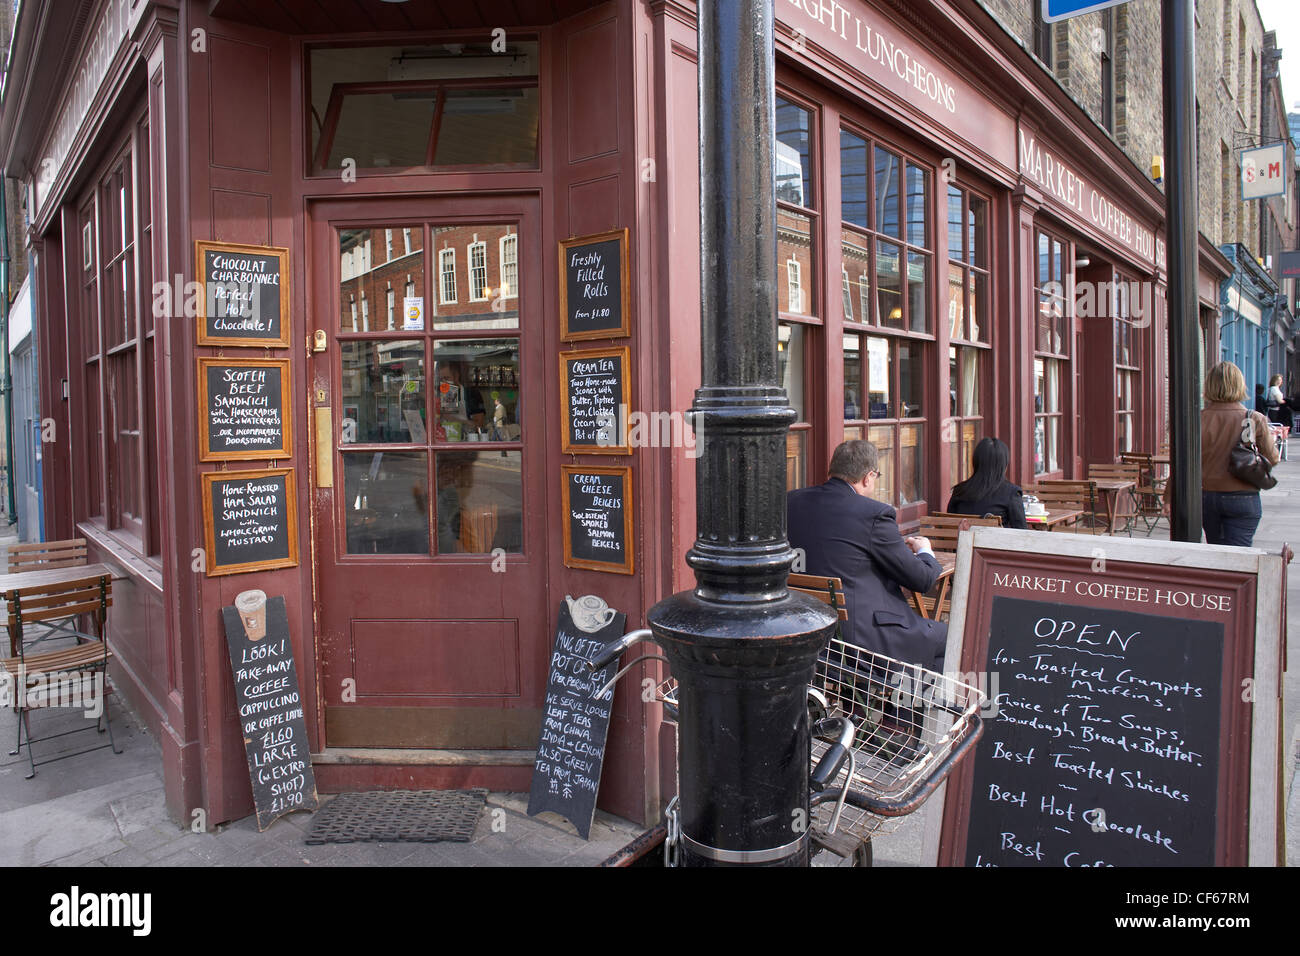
<point>479,504</point>
<point>789,355</point>
<point>478,277</point>
<point>386,502</point>
<point>477,393</point>
<point>383,392</point>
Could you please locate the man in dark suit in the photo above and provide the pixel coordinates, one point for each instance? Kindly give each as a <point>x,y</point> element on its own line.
<point>847,534</point>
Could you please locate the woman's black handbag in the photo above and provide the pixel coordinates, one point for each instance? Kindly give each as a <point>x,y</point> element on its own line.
<point>1245,463</point>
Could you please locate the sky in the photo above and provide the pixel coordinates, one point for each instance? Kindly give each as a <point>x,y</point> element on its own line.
<point>1284,17</point>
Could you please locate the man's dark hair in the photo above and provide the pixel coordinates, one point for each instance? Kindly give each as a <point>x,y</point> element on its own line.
<point>853,459</point>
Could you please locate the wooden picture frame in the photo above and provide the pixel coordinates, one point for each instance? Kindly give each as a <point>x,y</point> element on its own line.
<point>624,272</point>
<point>210,479</point>
<point>628,564</point>
<point>284,450</point>
<point>623,356</point>
<point>281,254</point>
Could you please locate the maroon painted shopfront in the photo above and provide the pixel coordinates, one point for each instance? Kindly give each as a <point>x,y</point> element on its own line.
<point>420,163</point>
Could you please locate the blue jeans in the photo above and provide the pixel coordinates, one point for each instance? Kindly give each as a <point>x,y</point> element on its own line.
<point>1230,517</point>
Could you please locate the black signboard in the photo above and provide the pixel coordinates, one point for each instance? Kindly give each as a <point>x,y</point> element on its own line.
<point>597,506</point>
<point>250,520</point>
<point>575,723</point>
<point>1105,746</point>
<point>594,387</point>
<point>244,408</point>
<point>270,706</point>
<point>594,288</point>
<point>245,295</point>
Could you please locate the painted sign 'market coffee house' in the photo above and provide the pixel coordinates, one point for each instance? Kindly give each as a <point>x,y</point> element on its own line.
<point>404,185</point>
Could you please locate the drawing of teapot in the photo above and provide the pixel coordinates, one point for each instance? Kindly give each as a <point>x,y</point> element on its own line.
<point>590,613</point>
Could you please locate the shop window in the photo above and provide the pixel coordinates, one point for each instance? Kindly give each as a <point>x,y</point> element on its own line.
<point>968,327</point>
<point>412,108</point>
<point>965,425</point>
<point>1051,350</point>
<point>118,350</point>
<point>797,221</point>
<point>1129,320</point>
<point>884,389</point>
<point>791,365</point>
<point>416,397</point>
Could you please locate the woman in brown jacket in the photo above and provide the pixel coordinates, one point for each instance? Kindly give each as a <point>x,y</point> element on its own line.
<point>1230,507</point>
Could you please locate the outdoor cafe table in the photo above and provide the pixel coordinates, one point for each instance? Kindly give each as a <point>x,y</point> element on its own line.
<point>947,564</point>
<point>1053,519</point>
<point>1110,490</point>
<point>38,580</point>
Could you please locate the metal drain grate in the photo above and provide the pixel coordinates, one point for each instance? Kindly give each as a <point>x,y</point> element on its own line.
<point>399,816</point>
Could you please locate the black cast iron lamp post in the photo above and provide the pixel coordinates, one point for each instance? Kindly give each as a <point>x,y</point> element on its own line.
<point>741,646</point>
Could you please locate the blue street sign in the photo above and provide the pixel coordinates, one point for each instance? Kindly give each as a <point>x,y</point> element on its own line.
<point>1054,10</point>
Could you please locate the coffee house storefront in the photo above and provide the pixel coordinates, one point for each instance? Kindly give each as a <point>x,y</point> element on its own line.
<point>413,174</point>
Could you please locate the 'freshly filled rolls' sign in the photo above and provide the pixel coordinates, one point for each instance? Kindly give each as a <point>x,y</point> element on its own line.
<point>595,292</point>
<point>245,294</point>
<point>250,520</point>
<point>244,409</point>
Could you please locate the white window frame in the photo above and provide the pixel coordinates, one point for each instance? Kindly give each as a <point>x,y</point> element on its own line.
<point>365,313</point>
<point>391,305</point>
<point>476,272</point>
<point>447,276</point>
<point>794,285</point>
<point>864,296</point>
<point>848,295</point>
<point>509,284</point>
<point>406,240</point>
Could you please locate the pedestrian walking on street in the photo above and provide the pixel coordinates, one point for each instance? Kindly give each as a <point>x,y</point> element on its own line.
<point>1230,507</point>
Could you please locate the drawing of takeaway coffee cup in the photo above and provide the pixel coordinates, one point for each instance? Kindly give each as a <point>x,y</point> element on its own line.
<point>251,606</point>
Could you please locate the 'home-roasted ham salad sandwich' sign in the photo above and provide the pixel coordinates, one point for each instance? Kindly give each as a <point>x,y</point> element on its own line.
<point>1134,689</point>
<point>250,520</point>
<point>245,299</point>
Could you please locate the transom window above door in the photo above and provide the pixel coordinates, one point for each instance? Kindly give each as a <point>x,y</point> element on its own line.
<point>413,108</point>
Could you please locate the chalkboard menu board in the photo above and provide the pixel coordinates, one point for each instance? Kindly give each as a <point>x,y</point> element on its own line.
<point>244,409</point>
<point>250,520</point>
<point>594,289</point>
<point>594,390</point>
<point>1106,741</point>
<point>571,748</point>
<point>270,706</point>
<point>1127,724</point>
<point>597,505</point>
<point>245,294</point>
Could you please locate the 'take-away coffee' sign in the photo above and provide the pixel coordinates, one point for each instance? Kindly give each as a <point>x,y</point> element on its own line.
<point>595,293</point>
<point>245,294</point>
<point>270,706</point>
<point>250,520</point>
<point>244,409</point>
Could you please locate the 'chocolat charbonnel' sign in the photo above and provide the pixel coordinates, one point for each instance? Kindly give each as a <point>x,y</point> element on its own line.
<point>1118,731</point>
<point>270,706</point>
<point>594,390</point>
<point>244,408</point>
<point>597,518</point>
<point>250,520</point>
<point>244,298</point>
<point>594,288</point>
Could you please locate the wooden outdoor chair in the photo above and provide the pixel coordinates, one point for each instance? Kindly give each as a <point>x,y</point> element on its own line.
<point>49,556</point>
<point>828,590</point>
<point>943,529</point>
<point>1064,495</point>
<point>38,680</point>
<point>1123,471</point>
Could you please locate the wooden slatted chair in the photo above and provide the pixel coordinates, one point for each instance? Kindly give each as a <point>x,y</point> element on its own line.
<point>1150,490</point>
<point>943,529</point>
<point>49,556</point>
<point>40,679</point>
<point>1122,471</point>
<point>828,590</point>
<point>1065,495</point>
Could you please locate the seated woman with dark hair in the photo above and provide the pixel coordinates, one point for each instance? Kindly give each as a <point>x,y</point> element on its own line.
<point>987,491</point>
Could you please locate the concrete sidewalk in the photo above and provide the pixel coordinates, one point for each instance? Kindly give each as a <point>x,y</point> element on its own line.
<point>102,809</point>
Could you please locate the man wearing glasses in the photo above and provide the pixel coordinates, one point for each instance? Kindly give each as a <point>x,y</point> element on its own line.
<point>847,534</point>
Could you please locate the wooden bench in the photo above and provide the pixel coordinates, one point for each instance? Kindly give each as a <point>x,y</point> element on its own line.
<point>90,654</point>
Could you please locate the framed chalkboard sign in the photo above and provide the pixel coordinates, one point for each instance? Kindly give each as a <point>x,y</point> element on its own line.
<point>595,294</point>
<point>244,409</point>
<point>571,745</point>
<point>1134,691</point>
<point>594,393</point>
<point>270,706</point>
<point>245,294</point>
<point>250,520</point>
<point>597,519</point>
